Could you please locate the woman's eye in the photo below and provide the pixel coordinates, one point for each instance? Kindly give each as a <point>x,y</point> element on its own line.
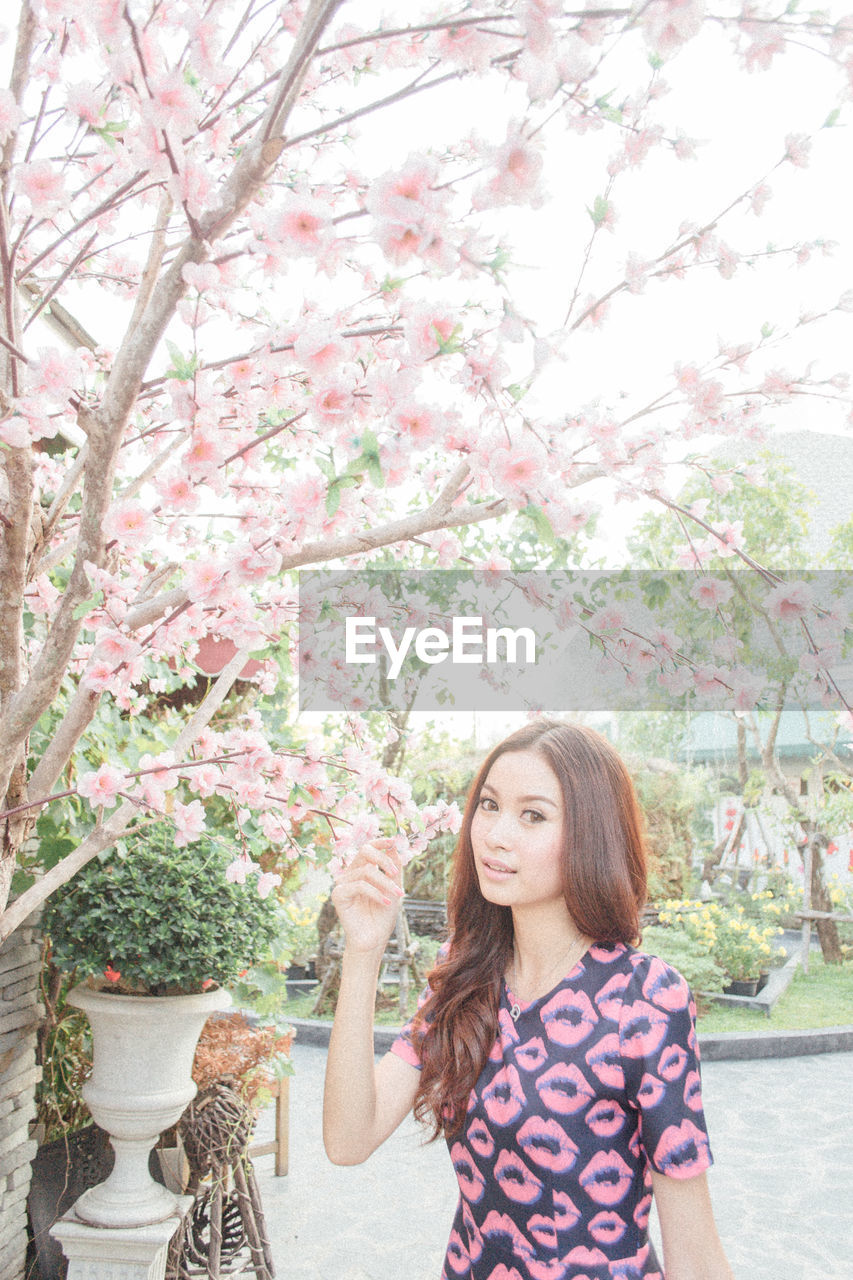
<point>488,804</point>
<point>534,815</point>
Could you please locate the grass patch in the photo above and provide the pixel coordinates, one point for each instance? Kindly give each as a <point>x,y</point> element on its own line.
<point>821,998</point>
<point>301,1006</point>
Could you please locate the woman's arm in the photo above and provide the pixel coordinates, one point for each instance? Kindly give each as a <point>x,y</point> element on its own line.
<point>691,1245</point>
<point>363,1103</point>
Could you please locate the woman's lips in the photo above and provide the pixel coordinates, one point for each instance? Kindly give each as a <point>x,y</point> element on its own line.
<point>471,1182</point>
<point>494,869</point>
<point>569,1018</point>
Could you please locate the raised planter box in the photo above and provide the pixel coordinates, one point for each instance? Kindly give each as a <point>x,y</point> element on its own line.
<point>777,984</point>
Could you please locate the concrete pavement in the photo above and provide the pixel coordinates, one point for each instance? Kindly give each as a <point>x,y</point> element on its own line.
<point>781,1131</point>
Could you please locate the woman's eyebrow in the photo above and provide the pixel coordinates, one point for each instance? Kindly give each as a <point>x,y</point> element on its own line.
<point>522,799</point>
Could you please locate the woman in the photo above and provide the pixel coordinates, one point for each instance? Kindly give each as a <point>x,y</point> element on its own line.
<point>559,1063</point>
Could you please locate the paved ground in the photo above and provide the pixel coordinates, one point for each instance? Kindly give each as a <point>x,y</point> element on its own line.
<point>781,1131</point>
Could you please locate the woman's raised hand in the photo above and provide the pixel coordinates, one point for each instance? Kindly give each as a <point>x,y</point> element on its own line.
<point>367,895</point>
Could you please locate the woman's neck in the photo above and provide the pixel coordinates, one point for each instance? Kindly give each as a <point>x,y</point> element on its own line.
<point>540,939</point>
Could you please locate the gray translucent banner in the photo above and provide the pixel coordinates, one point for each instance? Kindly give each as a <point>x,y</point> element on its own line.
<point>573,641</point>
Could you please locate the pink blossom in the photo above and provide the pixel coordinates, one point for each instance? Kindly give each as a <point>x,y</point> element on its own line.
<point>789,601</point>
<point>237,870</point>
<point>747,688</point>
<point>767,41</point>
<point>200,275</point>
<point>797,148</point>
<point>301,226</point>
<point>516,470</point>
<point>758,198</point>
<point>189,822</point>
<point>708,680</point>
<point>98,675</point>
<point>609,618</point>
<point>202,577</point>
<point>203,455</point>
<point>41,595</point>
<point>10,115</point>
<point>177,491</point>
<point>518,168</point>
<point>319,349</point>
<point>101,786</point>
<point>332,404</point>
<point>44,186</point>
<point>419,423</point>
<point>130,524</point>
<point>668,24</point>
<point>710,593</point>
<point>425,327</point>
<point>267,881</point>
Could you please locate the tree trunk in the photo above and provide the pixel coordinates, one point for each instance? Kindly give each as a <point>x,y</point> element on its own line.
<point>827,930</point>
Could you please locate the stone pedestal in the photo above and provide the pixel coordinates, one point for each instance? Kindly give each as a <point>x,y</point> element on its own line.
<point>117,1253</point>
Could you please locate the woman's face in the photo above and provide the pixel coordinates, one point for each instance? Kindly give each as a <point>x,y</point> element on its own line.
<point>517,832</point>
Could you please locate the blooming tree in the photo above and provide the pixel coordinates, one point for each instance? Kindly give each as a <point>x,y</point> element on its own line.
<point>243,331</point>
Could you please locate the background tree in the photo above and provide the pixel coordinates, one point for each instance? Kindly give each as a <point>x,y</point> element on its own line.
<point>775,521</point>
<point>241,333</point>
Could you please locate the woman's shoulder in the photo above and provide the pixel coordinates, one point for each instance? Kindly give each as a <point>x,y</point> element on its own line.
<point>638,975</point>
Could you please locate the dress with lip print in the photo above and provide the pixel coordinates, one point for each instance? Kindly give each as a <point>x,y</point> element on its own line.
<point>591,1088</point>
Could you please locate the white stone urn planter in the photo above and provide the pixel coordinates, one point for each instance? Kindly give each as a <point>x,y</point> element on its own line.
<point>141,1081</point>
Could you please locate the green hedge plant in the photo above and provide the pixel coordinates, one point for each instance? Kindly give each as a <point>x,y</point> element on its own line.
<point>160,920</point>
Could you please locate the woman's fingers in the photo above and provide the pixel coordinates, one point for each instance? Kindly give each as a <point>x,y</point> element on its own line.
<point>369,874</point>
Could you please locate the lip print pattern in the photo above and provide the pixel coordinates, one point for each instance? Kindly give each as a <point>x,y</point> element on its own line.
<point>609,998</point>
<point>607,1227</point>
<point>532,1055</point>
<point>665,987</point>
<point>475,1239</point>
<point>566,1212</point>
<point>605,1061</point>
<point>565,1089</point>
<point>547,1269</point>
<point>650,1092</point>
<point>583,1257</point>
<point>500,1229</point>
<point>542,1229</point>
<point>457,1255</point>
<point>672,1062</point>
<point>569,1018</point>
<point>479,1138</point>
<point>546,1143</point>
<point>642,1211</point>
<point>693,1091</point>
<point>643,1029</point>
<point>515,1179</point>
<point>632,1268</point>
<point>556,1154</point>
<point>606,1178</point>
<point>472,1184</point>
<point>606,1118</point>
<point>504,1097</point>
<point>508,1034</point>
<point>682,1151</point>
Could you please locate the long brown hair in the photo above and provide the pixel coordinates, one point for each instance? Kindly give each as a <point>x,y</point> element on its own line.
<point>604,885</point>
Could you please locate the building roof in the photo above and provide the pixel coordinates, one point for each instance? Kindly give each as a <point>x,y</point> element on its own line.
<point>711,736</point>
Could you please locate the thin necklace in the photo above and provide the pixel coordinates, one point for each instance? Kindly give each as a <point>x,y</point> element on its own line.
<point>576,950</point>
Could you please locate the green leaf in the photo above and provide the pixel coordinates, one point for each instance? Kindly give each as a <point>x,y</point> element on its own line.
<point>832,118</point>
<point>448,346</point>
<point>599,210</point>
<point>183,367</point>
<point>86,606</point>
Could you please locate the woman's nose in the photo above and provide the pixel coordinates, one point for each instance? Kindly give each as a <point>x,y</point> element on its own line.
<point>498,835</point>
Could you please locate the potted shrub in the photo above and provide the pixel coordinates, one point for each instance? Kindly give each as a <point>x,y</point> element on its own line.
<point>743,949</point>
<point>156,935</point>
